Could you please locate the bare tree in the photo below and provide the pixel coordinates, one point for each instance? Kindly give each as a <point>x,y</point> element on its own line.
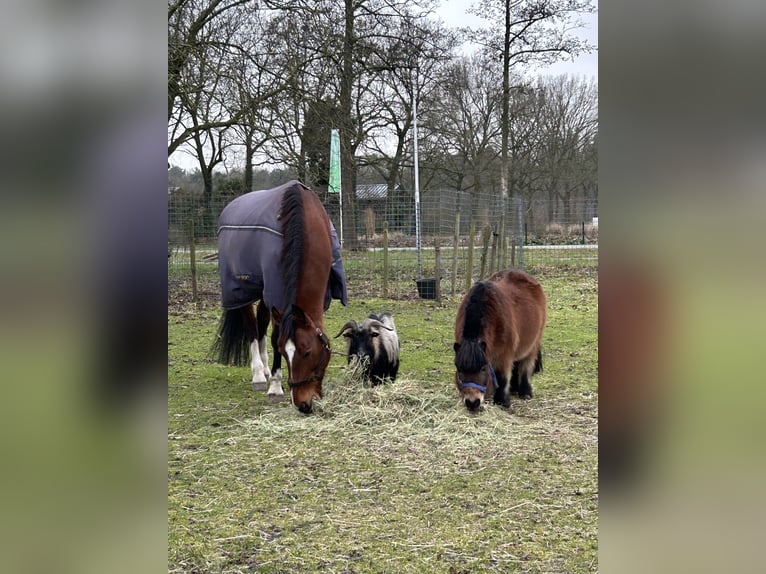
<point>369,25</point>
<point>409,65</point>
<point>308,40</point>
<point>568,128</point>
<point>462,122</point>
<point>335,54</point>
<point>256,81</point>
<point>205,119</point>
<point>221,71</point>
<point>198,30</point>
<point>533,31</point>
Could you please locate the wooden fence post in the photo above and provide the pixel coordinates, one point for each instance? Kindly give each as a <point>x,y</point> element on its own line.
<point>485,247</point>
<point>469,263</point>
<point>513,252</point>
<point>504,257</point>
<point>455,242</point>
<point>438,264</point>
<point>193,262</point>
<point>385,259</point>
<point>497,264</point>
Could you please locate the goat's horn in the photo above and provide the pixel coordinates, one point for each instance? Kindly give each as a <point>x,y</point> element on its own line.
<point>376,323</point>
<point>349,325</point>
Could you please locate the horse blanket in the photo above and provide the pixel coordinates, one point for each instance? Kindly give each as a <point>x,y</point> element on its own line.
<point>250,248</point>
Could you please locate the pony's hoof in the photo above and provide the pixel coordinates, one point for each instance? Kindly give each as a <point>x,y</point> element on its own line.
<point>274,398</point>
<point>260,385</point>
<point>525,397</point>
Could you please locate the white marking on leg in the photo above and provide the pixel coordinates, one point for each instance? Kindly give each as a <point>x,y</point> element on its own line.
<point>275,392</point>
<point>260,380</point>
<point>263,348</point>
<point>290,352</point>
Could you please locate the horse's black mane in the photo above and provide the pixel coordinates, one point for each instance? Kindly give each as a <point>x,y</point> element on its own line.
<point>470,357</point>
<point>291,214</point>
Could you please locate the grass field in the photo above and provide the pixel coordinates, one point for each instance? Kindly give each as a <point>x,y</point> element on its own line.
<point>398,478</point>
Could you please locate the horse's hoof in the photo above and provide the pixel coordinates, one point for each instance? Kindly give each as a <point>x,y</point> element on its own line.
<point>272,398</point>
<point>525,397</point>
<point>260,385</point>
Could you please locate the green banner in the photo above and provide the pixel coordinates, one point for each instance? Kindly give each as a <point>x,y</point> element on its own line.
<point>334,185</point>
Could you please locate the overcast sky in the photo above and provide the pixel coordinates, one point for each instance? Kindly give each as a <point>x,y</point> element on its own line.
<point>453,13</point>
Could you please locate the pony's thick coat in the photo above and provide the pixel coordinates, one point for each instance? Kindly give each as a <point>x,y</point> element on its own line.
<point>499,323</point>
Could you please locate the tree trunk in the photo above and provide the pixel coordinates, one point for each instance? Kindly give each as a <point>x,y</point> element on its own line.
<point>505,121</point>
<point>302,168</point>
<point>346,128</point>
<point>249,152</point>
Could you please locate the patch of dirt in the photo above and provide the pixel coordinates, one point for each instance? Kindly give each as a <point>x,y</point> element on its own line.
<point>180,296</point>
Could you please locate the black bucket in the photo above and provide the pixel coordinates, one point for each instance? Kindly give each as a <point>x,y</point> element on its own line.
<point>427,288</point>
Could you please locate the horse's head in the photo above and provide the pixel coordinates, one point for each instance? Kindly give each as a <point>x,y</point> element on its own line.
<point>306,349</point>
<point>474,376</point>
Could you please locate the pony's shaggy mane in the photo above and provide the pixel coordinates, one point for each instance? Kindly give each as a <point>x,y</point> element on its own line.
<point>473,322</point>
<point>481,302</point>
<point>291,214</point>
<point>470,357</point>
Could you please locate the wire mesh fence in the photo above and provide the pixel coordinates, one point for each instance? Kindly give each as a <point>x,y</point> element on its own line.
<point>464,238</point>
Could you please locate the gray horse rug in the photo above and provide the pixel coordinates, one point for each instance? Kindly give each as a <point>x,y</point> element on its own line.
<point>249,252</point>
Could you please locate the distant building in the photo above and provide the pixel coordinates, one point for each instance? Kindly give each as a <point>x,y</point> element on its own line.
<point>376,203</point>
<point>373,192</point>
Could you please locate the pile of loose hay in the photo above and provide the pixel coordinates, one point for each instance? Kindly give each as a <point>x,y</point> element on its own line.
<point>405,411</point>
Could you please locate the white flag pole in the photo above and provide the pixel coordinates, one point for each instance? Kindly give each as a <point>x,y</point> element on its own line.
<point>418,241</point>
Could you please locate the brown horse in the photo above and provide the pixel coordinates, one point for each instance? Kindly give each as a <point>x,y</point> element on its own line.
<point>499,329</point>
<point>278,247</point>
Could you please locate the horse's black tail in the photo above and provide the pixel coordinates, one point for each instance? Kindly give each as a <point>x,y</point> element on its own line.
<point>539,360</point>
<point>232,341</point>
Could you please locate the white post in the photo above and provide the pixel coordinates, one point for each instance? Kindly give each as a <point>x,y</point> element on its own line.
<point>418,241</point>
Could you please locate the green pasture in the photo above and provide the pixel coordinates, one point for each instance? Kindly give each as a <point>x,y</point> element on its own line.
<point>399,478</point>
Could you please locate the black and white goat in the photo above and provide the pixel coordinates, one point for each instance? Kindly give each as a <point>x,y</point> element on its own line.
<point>375,344</point>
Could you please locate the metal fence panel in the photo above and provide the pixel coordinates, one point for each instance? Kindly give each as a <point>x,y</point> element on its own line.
<point>537,235</point>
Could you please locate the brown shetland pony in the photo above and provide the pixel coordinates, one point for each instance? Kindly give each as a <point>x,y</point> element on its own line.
<point>499,329</point>
<point>275,246</point>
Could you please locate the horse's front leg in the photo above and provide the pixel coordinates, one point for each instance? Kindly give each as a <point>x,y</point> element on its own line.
<point>275,392</point>
<point>259,363</point>
<point>515,379</point>
<point>525,369</point>
<point>525,387</point>
<point>503,392</point>
<point>258,350</point>
<point>255,333</point>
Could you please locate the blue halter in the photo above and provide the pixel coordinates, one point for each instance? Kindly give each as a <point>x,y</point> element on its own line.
<point>482,388</point>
